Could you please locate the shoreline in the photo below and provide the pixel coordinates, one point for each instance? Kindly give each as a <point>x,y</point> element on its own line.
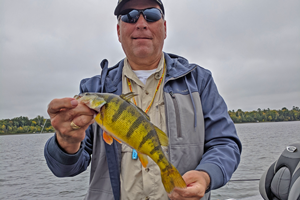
<point>3,134</point>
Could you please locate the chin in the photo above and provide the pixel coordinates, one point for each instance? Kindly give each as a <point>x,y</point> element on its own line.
<point>144,52</point>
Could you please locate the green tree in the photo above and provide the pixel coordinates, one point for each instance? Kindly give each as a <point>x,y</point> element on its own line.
<point>16,123</point>
<point>26,128</point>
<point>20,130</point>
<point>3,127</point>
<point>39,119</point>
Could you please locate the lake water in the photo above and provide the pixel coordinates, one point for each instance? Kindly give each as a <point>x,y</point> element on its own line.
<point>25,175</point>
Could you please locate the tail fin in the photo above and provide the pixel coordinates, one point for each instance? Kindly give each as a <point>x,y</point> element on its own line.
<point>171,178</point>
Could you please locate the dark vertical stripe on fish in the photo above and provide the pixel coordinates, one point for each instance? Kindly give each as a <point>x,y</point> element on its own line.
<point>110,98</point>
<point>134,126</point>
<point>168,167</point>
<point>120,110</point>
<point>147,137</point>
<point>157,148</point>
<point>161,157</point>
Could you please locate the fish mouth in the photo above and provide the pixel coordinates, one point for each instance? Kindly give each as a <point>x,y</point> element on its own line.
<point>91,100</point>
<point>99,108</point>
<point>77,97</point>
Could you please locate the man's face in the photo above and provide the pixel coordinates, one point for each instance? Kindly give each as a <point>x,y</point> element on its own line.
<point>142,39</point>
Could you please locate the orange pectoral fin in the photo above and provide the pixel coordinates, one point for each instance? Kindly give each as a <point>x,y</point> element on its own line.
<point>107,138</point>
<point>144,159</point>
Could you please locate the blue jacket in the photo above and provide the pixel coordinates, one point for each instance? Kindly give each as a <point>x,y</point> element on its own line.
<point>201,134</point>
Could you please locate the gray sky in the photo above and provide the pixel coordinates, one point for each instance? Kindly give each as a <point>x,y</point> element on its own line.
<point>252,48</point>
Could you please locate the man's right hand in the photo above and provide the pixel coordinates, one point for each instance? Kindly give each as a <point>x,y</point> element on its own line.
<point>62,113</point>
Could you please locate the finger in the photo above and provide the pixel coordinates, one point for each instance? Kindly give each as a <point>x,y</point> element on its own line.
<point>68,115</point>
<point>82,109</point>
<point>176,196</point>
<point>81,115</point>
<point>190,177</point>
<point>84,120</point>
<point>191,191</point>
<point>56,105</point>
<point>71,135</point>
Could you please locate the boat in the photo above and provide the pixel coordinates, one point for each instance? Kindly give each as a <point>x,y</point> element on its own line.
<point>281,181</point>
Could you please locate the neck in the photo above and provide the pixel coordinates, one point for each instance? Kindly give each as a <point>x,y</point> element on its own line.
<point>144,64</point>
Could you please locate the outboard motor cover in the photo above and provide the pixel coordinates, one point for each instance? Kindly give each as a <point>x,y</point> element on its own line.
<point>282,180</point>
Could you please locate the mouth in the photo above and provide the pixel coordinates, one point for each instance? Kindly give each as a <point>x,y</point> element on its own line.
<point>141,38</point>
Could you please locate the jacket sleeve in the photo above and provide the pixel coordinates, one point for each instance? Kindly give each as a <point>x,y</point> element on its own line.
<point>63,164</point>
<point>222,148</point>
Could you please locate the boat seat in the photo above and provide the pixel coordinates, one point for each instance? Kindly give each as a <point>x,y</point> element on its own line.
<point>282,179</point>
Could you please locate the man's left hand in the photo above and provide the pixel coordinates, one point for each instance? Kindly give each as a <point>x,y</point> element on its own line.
<point>197,182</point>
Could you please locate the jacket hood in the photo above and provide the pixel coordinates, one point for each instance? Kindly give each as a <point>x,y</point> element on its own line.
<point>176,67</point>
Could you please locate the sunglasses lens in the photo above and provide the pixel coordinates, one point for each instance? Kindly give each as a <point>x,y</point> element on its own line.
<point>131,17</point>
<point>150,15</point>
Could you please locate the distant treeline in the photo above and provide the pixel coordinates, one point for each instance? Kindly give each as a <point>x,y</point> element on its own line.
<point>25,125</point>
<point>38,124</point>
<point>268,115</point>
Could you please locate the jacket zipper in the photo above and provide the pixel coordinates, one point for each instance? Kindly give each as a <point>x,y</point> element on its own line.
<point>178,123</point>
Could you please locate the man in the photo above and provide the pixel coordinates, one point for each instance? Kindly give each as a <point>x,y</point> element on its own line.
<point>180,98</point>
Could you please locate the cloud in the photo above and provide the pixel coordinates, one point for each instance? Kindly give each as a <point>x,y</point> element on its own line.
<point>252,48</point>
<point>47,47</point>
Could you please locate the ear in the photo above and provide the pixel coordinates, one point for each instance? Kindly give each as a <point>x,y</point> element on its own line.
<point>165,25</point>
<point>118,32</point>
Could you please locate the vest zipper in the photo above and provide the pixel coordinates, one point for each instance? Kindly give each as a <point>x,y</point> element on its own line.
<point>178,123</point>
<point>167,121</point>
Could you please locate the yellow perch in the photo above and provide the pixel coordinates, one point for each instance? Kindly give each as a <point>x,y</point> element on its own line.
<point>122,120</point>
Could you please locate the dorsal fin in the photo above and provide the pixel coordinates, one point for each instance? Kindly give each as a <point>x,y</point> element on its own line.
<point>128,96</point>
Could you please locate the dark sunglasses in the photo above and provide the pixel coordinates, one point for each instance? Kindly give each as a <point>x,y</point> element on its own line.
<point>150,15</point>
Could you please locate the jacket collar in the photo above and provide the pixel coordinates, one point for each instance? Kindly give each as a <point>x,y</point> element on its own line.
<point>176,67</point>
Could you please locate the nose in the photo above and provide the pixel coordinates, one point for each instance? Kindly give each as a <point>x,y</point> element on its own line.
<point>141,22</point>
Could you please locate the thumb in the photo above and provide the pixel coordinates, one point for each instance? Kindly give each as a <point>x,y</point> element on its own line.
<point>190,177</point>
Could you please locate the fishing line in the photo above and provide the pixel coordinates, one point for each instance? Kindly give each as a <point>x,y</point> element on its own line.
<point>239,180</point>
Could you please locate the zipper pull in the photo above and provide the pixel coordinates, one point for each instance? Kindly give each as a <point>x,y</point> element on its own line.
<point>134,154</point>
<point>172,95</point>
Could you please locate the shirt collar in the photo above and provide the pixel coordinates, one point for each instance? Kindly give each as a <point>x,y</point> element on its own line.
<point>128,72</point>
